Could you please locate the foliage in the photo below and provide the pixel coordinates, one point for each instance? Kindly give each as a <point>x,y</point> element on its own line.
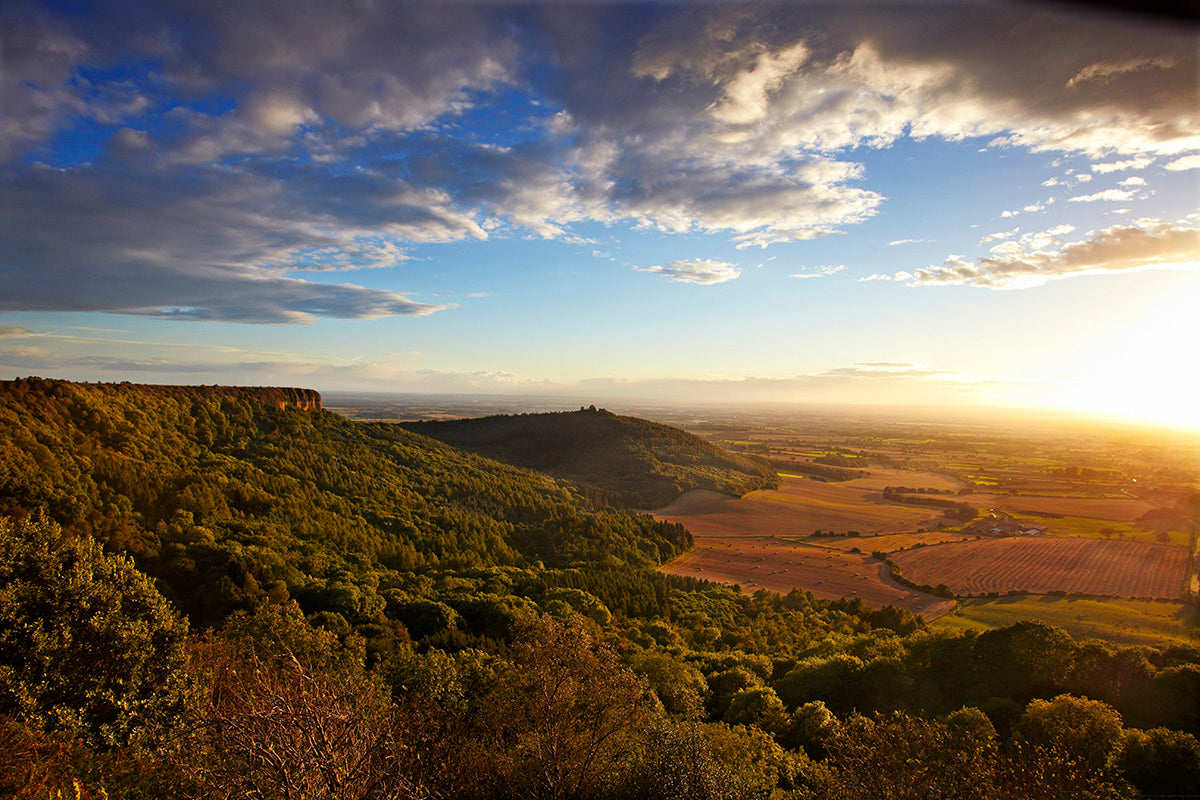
<point>286,718</point>
<point>87,645</point>
<point>564,719</point>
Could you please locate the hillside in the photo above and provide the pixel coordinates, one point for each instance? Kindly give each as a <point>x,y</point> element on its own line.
<point>228,496</point>
<point>456,627</point>
<point>644,463</point>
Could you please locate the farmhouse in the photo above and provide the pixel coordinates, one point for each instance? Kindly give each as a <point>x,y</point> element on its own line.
<point>998,523</point>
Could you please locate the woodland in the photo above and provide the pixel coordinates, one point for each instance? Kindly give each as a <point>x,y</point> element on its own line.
<point>217,593</point>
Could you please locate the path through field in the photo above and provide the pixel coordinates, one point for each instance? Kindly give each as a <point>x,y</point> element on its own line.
<point>754,542</point>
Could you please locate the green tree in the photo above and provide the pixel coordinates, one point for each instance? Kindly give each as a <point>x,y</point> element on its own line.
<point>1160,761</point>
<point>900,757</point>
<point>1089,730</point>
<point>87,645</point>
<point>565,720</point>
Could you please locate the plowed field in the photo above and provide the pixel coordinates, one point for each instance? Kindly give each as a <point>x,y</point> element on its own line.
<point>1048,564</point>
<point>1118,509</point>
<point>764,562</point>
<point>751,542</point>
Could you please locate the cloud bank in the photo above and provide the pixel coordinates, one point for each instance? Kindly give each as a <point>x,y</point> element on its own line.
<point>202,154</point>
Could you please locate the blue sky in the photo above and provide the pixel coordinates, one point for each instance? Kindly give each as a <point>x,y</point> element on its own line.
<point>939,203</point>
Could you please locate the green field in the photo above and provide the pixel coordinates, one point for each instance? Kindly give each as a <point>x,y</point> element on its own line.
<point>1145,622</point>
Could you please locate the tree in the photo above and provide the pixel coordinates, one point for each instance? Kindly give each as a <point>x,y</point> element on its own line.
<point>565,720</point>
<point>290,716</point>
<point>907,758</point>
<point>1086,729</point>
<point>679,686</point>
<point>1160,761</point>
<point>87,644</point>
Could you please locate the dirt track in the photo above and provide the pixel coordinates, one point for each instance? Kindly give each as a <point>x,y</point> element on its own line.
<point>742,542</point>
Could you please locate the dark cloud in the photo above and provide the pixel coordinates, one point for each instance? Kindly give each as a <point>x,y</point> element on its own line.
<point>212,247</point>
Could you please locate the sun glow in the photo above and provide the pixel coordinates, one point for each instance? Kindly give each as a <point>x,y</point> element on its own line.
<point>1145,369</point>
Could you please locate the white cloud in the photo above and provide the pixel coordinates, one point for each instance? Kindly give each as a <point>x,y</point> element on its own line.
<point>907,241</point>
<point>821,272</point>
<point>1184,163</point>
<point>1141,162</point>
<point>994,237</point>
<point>700,271</point>
<point>1133,181</point>
<point>1108,195</point>
<point>1145,244</point>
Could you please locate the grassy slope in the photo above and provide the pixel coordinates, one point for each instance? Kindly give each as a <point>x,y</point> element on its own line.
<point>1137,622</point>
<point>646,464</point>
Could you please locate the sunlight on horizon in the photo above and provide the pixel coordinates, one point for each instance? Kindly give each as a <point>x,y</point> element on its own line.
<point>1142,370</point>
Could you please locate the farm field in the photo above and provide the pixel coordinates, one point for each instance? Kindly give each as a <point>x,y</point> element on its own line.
<point>767,562</point>
<point>1045,564</point>
<point>887,542</point>
<point>1135,622</point>
<point>1121,509</point>
<point>755,542</point>
<point>1090,489</point>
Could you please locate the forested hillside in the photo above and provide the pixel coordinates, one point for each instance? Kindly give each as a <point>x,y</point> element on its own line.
<point>214,594</point>
<point>227,497</point>
<point>644,463</point>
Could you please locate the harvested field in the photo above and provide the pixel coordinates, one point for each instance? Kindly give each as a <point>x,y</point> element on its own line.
<point>756,542</point>
<point>1046,564</point>
<point>885,476</point>
<point>887,542</point>
<point>800,507</point>
<point>1123,509</point>
<point>765,562</point>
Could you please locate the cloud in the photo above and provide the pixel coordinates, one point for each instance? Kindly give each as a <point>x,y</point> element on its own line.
<point>1146,244</point>
<point>215,247</point>
<point>994,237</point>
<point>1032,208</point>
<point>899,276</point>
<point>701,271</point>
<point>898,242</point>
<point>228,141</point>
<point>1184,163</point>
<point>1108,195</point>
<point>821,272</point>
<point>1105,72</point>
<point>1133,181</point>
<point>1105,167</point>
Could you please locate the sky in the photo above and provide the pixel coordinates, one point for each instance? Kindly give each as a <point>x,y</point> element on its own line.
<point>934,203</point>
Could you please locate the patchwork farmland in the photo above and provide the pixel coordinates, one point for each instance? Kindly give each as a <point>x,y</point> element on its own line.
<point>756,542</point>
<point>1044,564</point>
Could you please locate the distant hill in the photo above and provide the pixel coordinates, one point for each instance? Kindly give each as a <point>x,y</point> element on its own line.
<point>228,495</point>
<point>646,464</point>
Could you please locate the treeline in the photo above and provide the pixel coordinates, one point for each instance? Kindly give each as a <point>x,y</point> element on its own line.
<point>954,509</point>
<point>642,464</point>
<point>819,471</point>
